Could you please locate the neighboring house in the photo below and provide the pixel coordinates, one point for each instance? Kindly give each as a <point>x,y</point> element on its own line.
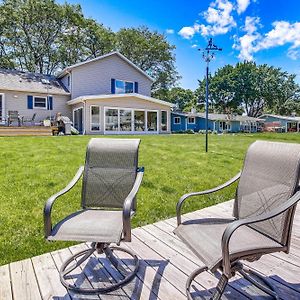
<point>280,123</point>
<point>216,122</point>
<point>105,95</point>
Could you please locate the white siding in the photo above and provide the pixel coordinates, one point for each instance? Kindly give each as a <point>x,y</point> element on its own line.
<point>95,78</point>
<point>18,101</point>
<point>127,102</point>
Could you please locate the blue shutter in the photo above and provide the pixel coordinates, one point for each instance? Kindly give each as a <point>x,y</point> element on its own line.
<point>29,102</point>
<point>50,103</point>
<point>113,86</point>
<point>136,87</point>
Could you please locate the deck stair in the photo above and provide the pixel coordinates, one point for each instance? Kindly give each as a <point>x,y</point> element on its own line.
<point>25,131</point>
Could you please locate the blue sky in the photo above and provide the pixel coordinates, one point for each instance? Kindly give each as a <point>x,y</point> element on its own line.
<point>265,31</point>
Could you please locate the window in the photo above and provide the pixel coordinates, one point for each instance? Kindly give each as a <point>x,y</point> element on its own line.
<point>177,120</point>
<point>40,102</point>
<point>191,120</point>
<point>164,121</point>
<point>68,78</point>
<point>151,120</point>
<point>124,87</point>
<point>111,120</point>
<point>95,118</point>
<point>225,126</point>
<point>125,120</point>
<point>139,120</point>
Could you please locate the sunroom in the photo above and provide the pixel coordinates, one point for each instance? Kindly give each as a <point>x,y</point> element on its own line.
<point>120,114</point>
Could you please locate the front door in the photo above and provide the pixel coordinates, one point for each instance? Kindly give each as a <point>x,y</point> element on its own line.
<point>78,119</point>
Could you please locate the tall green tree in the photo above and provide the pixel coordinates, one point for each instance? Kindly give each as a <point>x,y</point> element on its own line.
<point>151,52</point>
<point>43,36</point>
<point>184,99</point>
<point>251,88</point>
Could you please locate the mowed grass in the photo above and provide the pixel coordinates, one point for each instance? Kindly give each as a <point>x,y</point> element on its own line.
<point>33,168</point>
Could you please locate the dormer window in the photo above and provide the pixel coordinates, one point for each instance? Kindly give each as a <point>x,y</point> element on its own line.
<point>124,87</point>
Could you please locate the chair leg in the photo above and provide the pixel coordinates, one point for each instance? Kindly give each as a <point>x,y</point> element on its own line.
<point>190,280</point>
<point>220,288</point>
<point>82,256</point>
<point>250,275</point>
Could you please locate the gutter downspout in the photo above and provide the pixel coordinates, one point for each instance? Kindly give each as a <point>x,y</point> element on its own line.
<point>84,117</point>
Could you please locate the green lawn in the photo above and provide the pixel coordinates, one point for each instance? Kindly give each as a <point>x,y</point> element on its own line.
<point>33,168</point>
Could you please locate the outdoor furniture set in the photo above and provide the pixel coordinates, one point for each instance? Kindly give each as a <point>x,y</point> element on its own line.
<point>14,117</point>
<point>266,197</point>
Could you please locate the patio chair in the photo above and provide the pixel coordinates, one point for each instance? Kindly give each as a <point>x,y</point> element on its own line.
<point>28,119</point>
<point>13,116</point>
<point>264,206</point>
<point>111,180</point>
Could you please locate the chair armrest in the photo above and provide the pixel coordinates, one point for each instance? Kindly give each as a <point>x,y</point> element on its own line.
<point>128,205</point>
<point>231,228</point>
<point>213,190</point>
<point>49,204</point>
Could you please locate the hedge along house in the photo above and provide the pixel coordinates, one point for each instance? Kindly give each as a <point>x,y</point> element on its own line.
<point>280,123</point>
<point>31,93</point>
<point>111,95</point>
<point>216,122</point>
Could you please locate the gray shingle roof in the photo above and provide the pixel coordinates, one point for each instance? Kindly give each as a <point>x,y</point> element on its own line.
<point>218,117</point>
<point>15,80</point>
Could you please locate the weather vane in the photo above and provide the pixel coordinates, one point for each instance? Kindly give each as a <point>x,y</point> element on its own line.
<point>208,54</point>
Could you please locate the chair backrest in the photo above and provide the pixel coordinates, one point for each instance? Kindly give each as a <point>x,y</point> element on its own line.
<point>13,114</point>
<point>270,176</point>
<point>110,171</point>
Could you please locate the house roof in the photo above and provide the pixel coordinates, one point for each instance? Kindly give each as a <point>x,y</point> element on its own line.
<point>218,117</point>
<point>14,80</point>
<point>68,69</point>
<point>288,118</point>
<point>111,96</point>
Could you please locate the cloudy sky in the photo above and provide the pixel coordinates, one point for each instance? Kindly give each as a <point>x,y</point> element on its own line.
<point>265,31</point>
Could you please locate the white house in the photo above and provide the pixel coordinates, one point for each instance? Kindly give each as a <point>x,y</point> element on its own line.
<point>105,95</point>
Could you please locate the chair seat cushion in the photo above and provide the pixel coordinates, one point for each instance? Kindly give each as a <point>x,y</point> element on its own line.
<point>204,238</point>
<point>90,225</point>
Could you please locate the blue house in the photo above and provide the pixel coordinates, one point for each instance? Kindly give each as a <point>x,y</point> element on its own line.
<point>280,123</point>
<point>181,121</point>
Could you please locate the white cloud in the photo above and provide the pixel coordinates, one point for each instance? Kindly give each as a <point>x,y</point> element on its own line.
<point>246,44</point>
<point>242,5</point>
<point>194,46</point>
<point>283,33</point>
<point>293,54</point>
<point>188,32</point>
<point>218,17</point>
<point>170,31</point>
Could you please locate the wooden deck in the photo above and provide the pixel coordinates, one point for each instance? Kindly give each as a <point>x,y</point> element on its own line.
<point>25,131</point>
<point>165,263</point>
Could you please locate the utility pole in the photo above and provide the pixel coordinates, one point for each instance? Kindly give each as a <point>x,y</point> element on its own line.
<point>208,54</point>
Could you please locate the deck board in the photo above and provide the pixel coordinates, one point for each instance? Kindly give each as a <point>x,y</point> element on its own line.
<point>165,264</point>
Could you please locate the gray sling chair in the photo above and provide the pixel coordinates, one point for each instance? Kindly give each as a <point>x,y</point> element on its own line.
<point>111,180</point>
<point>265,202</point>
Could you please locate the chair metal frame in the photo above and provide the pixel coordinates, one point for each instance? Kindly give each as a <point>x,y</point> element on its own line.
<point>129,209</point>
<point>229,267</point>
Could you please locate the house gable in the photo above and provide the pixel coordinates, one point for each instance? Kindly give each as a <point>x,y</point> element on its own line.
<point>96,77</point>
